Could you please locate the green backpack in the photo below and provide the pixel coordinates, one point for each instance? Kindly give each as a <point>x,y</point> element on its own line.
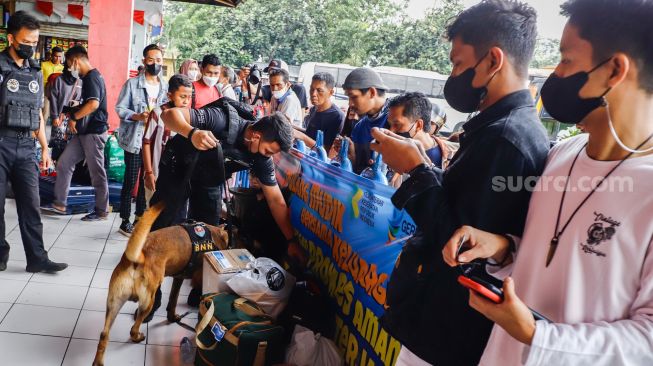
<point>114,159</point>
<point>233,331</point>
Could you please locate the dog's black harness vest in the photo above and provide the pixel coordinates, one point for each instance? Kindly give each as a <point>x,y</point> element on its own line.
<point>200,241</point>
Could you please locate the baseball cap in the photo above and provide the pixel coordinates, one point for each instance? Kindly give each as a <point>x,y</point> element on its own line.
<point>276,64</point>
<point>364,78</point>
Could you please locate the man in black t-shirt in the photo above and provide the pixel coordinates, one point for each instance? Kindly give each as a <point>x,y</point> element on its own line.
<point>324,116</point>
<point>89,124</point>
<point>245,145</point>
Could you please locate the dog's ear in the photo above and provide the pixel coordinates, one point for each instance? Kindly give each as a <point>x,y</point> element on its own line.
<point>222,234</point>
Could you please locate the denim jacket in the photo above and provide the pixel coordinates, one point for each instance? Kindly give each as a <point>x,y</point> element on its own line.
<point>132,101</point>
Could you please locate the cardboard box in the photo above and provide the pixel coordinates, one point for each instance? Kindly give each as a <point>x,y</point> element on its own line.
<point>219,266</point>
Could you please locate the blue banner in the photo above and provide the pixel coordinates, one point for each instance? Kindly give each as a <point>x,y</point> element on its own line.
<point>353,235</point>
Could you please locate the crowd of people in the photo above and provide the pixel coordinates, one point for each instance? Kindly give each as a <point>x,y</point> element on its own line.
<point>580,257</point>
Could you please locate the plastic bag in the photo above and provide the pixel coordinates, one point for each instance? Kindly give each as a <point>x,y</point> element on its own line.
<point>114,157</point>
<point>308,349</point>
<point>266,283</point>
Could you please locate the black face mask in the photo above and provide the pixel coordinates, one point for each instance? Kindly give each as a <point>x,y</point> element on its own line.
<point>561,98</point>
<point>153,69</point>
<point>407,133</point>
<point>24,51</point>
<point>461,95</point>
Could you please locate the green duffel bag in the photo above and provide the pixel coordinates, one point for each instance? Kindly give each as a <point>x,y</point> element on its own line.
<point>233,331</point>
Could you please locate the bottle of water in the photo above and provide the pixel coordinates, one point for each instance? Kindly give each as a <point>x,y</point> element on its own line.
<point>376,171</point>
<point>318,151</point>
<point>342,159</point>
<point>187,351</point>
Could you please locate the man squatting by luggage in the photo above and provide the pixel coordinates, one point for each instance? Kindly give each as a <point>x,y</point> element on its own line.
<point>246,144</point>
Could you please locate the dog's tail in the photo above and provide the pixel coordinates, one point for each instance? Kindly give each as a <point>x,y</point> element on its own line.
<point>134,250</point>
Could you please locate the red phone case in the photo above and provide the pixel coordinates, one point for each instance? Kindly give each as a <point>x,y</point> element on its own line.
<point>473,285</point>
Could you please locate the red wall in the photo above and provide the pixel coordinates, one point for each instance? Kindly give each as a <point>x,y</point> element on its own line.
<point>109,41</point>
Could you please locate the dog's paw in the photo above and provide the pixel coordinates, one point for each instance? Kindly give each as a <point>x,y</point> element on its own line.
<point>137,338</point>
<point>174,318</point>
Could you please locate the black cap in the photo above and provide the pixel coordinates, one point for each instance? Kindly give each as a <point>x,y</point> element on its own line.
<point>364,78</point>
<point>276,64</point>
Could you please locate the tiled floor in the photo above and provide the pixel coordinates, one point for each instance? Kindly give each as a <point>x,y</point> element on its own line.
<point>56,319</point>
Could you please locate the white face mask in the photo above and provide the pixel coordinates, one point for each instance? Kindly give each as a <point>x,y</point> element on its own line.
<point>279,94</point>
<point>74,73</point>
<point>220,86</point>
<point>192,74</point>
<point>209,80</point>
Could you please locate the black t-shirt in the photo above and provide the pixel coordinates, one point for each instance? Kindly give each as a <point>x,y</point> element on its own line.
<point>93,87</point>
<point>213,118</point>
<point>300,91</point>
<point>330,122</point>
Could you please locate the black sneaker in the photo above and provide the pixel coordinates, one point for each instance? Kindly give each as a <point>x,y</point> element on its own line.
<point>95,216</point>
<point>47,267</point>
<point>4,257</point>
<point>126,228</point>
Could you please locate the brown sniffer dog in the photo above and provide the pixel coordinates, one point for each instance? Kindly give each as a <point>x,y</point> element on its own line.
<point>148,258</point>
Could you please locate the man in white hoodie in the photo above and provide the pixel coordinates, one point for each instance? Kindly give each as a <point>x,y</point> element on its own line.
<point>585,260</point>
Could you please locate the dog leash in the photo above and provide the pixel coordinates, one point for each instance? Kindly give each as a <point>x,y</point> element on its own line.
<point>184,325</point>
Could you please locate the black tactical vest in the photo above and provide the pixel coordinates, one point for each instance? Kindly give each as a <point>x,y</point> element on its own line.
<point>20,93</point>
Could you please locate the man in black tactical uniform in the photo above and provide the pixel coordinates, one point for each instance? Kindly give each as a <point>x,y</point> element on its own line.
<point>245,144</point>
<point>21,100</point>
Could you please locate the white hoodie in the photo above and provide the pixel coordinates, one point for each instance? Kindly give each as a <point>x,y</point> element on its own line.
<point>598,289</point>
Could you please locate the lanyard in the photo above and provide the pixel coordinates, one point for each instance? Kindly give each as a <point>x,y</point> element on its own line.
<point>282,99</point>
<point>557,234</point>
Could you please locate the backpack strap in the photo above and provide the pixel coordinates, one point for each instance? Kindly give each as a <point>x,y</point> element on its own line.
<point>192,98</point>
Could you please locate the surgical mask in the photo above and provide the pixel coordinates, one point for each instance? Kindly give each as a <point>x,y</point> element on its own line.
<point>209,80</point>
<point>461,95</point>
<point>24,51</point>
<point>561,98</point>
<point>220,86</point>
<point>278,94</point>
<point>74,72</point>
<point>192,74</point>
<point>153,69</point>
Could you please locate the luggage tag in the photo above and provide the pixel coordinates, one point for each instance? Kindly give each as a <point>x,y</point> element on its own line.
<point>222,260</point>
<point>218,331</point>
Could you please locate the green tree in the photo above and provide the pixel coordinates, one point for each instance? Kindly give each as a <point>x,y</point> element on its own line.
<point>547,53</point>
<point>357,32</point>
<point>420,44</point>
